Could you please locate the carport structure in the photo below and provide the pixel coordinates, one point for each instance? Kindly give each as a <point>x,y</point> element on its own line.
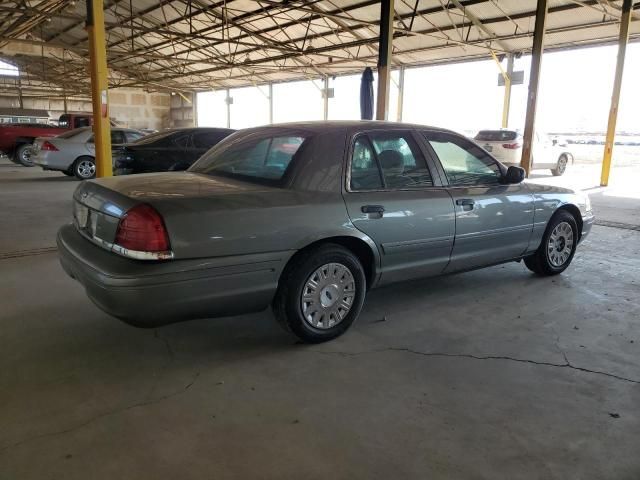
<point>493,373</point>
<point>194,45</point>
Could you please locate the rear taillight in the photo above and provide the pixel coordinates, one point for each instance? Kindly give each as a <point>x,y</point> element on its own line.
<point>49,147</point>
<point>141,234</point>
<point>511,146</point>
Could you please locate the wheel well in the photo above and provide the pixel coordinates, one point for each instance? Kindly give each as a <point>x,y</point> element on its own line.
<point>575,212</point>
<point>356,246</point>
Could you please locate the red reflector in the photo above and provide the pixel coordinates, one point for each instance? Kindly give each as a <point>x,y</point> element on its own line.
<point>48,146</point>
<point>511,146</point>
<point>142,229</point>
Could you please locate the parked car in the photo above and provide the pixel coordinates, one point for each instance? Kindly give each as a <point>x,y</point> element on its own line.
<point>169,150</point>
<point>73,152</point>
<point>16,138</point>
<point>308,218</point>
<point>506,146</point>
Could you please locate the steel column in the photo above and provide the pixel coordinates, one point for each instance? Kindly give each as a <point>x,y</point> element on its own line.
<point>228,102</point>
<point>99,87</point>
<point>384,57</point>
<point>506,105</point>
<point>534,78</point>
<point>270,102</point>
<point>615,96</point>
<point>325,97</point>
<point>400,94</point>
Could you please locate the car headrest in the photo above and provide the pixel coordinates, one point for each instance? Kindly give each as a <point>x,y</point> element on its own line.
<point>391,160</point>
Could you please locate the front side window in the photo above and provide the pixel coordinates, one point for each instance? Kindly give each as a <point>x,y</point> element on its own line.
<point>388,160</point>
<point>464,162</point>
<point>258,158</point>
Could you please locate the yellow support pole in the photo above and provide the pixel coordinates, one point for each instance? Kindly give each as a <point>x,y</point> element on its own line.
<point>99,87</point>
<point>506,104</point>
<point>615,96</point>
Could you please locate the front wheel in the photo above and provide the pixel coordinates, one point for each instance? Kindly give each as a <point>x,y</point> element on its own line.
<point>561,166</point>
<point>320,294</point>
<point>558,246</point>
<point>84,168</point>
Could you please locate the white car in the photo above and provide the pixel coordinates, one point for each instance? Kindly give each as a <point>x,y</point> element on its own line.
<point>73,152</point>
<point>506,146</point>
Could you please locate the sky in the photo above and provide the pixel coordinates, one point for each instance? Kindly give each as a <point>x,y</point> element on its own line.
<point>574,95</point>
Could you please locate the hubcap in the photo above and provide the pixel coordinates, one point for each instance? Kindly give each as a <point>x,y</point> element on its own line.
<point>562,164</point>
<point>327,296</point>
<point>86,169</point>
<point>560,244</point>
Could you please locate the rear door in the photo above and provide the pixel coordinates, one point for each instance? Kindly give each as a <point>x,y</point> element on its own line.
<point>395,197</point>
<point>493,220</point>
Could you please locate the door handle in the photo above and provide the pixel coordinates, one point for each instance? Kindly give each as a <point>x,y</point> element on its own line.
<point>465,201</point>
<point>373,209</point>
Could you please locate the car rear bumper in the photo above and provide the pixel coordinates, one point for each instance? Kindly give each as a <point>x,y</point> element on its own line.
<point>149,294</point>
<point>51,161</point>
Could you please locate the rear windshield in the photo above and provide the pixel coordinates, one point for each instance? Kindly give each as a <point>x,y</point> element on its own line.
<point>254,157</point>
<point>496,135</point>
<point>72,133</point>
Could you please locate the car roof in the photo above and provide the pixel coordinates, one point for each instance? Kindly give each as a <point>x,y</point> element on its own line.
<point>325,126</point>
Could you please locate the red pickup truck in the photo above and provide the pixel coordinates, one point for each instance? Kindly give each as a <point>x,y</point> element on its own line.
<point>16,138</point>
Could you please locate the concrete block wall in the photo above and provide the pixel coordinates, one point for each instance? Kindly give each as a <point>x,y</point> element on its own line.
<point>133,108</point>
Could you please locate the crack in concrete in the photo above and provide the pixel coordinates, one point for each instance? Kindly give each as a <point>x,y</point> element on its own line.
<point>567,364</point>
<point>91,420</point>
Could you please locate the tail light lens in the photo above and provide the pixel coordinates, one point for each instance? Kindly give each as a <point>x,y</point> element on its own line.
<point>511,146</point>
<point>49,147</point>
<point>142,234</point>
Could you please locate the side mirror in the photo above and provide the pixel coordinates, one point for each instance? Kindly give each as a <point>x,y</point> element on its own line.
<point>514,175</point>
<point>554,142</point>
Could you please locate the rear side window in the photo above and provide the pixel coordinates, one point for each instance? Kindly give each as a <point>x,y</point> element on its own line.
<point>389,160</point>
<point>496,135</point>
<point>133,136</point>
<point>207,139</point>
<point>182,141</point>
<point>464,162</point>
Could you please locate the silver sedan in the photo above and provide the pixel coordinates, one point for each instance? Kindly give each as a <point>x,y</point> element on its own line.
<point>73,152</point>
<point>308,218</point>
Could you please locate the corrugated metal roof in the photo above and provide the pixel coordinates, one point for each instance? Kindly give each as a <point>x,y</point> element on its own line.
<point>200,44</point>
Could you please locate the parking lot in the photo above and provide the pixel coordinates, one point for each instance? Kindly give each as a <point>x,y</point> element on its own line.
<point>487,374</point>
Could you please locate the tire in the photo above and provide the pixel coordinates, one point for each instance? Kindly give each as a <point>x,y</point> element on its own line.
<point>23,155</point>
<point>561,166</point>
<point>554,254</point>
<point>84,168</point>
<point>342,283</point>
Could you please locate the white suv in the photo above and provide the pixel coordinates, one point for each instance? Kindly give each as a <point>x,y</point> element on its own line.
<point>506,146</point>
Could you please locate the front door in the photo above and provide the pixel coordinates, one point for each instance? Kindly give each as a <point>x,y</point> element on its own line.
<point>493,220</point>
<point>393,197</point>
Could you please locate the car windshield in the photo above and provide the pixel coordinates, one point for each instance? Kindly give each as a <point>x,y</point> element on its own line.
<point>252,157</point>
<point>496,135</point>
<point>72,133</point>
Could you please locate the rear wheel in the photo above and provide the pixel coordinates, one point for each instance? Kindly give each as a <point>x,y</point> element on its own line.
<point>320,294</point>
<point>558,246</point>
<point>84,168</point>
<point>23,155</point>
<point>561,166</point>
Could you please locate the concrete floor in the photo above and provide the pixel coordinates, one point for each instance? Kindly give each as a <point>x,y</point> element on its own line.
<point>494,374</point>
